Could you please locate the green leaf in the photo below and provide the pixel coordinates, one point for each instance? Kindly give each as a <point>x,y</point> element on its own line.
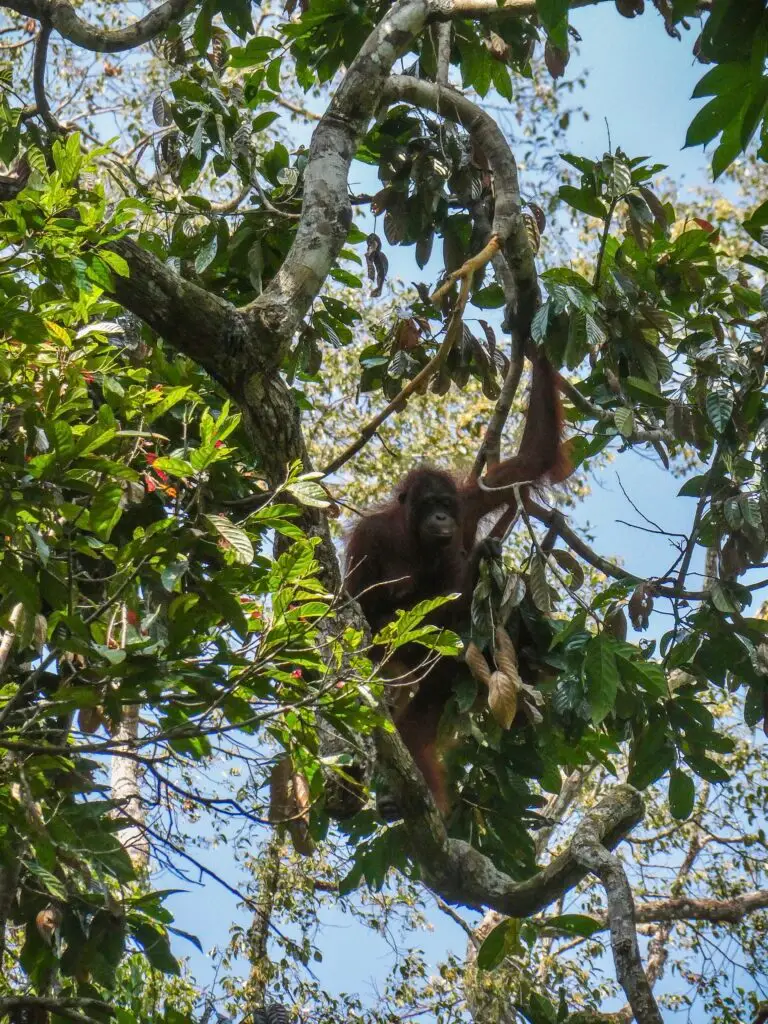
<point>573,924</point>
<point>577,345</point>
<point>730,146</point>
<point>68,159</point>
<point>98,272</point>
<point>264,120</point>
<point>682,794</point>
<point>625,421</point>
<point>309,493</point>
<point>541,1010</point>
<point>713,118</point>
<point>721,79</point>
<point>693,488</point>
<point>644,391</point>
<point>116,262</point>
<point>539,585</point>
<point>648,674</point>
<point>171,575</point>
<point>500,941</point>
<point>235,537</point>
<point>583,201</point>
<point>595,333</point>
<point>206,254</point>
<point>105,510</point>
<point>553,15</point>
<point>257,51</point>
<point>602,677</point>
<point>155,945</point>
<point>552,12</point>
<point>167,402</point>
<point>706,768</point>
<point>719,409</point>
<point>540,323</point>
<point>722,599</point>
<point>490,297</point>
<point>188,936</point>
<point>652,755</point>
<point>63,439</point>
<point>178,467</point>
<point>502,80</point>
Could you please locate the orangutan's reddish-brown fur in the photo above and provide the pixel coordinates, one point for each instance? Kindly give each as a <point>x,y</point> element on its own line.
<point>423,544</point>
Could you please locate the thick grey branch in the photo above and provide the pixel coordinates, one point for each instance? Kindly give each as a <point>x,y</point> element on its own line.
<point>68,23</point>
<point>460,874</point>
<point>589,850</point>
<point>206,328</point>
<point>326,212</point>
<point>508,222</point>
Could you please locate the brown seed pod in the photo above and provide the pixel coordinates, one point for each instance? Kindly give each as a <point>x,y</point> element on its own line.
<point>538,213</point>
<point>89,719</point>
<point>555,59</point>
<point>615,623</point>
<point>640,606</point>
<point>290,803</point>
<point>532,231</point>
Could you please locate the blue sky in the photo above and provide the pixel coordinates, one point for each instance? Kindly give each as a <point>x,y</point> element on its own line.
<point>640,80</point>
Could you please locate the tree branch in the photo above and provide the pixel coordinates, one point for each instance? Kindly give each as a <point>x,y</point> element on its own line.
<point>555,520</point>
<point>200,324</point>
<point>458,873</point>
<point>589,850</point>
<point>326,211</point>
<point>64,18</point>
<point>38,78</point>
<point>685,908</point>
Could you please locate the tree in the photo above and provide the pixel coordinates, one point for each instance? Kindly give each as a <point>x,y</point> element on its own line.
<point>171,595</point>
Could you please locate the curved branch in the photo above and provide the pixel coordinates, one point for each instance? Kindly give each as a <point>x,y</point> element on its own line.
<point>508,229</point>
<point>68,23</point>
<point>583,404</point>
<point>38,78</point>
<point>490,449</point>
<point>485,133</point>
<point>458,873</point>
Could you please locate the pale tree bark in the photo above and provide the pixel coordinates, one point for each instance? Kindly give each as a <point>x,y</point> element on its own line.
<point>126,790</point>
